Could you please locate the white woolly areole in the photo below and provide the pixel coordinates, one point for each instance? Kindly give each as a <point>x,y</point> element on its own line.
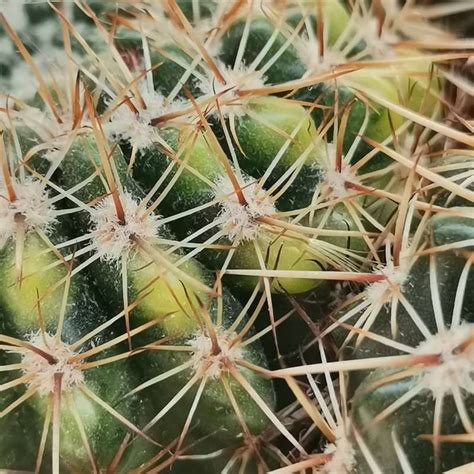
<point>456,367</point>
<point>337,180</point>
<point>309,54</point>
<point>136,128</point>
<point>31,209</point>
<point>342,454</point>
<point>113,238</point>
<point>334,179</point>
<point>210,364</point>
<point>381,47</point>
<point>43,372</point>
<point>237,219</point>
<point>385,289</point>
<point>238,79</point>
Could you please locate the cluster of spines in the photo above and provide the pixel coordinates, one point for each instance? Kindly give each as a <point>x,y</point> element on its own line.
<point>363,224</point>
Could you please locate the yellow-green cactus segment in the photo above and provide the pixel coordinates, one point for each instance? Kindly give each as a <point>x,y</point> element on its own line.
<point>419,84</point>
<point>281,254</point>
<point>167,297</point>
<point>38,289</point>
<point>374,86</point>
<point>336,19</point>
<point>335,16</point>
<point>265,128</point>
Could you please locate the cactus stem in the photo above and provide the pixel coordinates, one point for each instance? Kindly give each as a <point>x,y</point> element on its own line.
<point>76,345</point>
<point>162,262</point>
<point>220,152</point>
<point>160,377</point>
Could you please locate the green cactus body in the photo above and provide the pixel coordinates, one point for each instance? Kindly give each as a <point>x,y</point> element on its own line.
<point>23,424</point>
<point>235,237</point>
<point>288,67</point>
<point>269,126</point>
<point>459,168</point>
<point>451,229</point>
<point>407,425</point>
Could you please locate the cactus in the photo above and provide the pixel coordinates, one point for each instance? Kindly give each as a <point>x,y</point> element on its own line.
<point>235,237</point>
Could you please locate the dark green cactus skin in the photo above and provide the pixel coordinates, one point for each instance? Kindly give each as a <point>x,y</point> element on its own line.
<point>260,144</point>
<point>188,191</point>
<point>83,312</point>
<point>408,423</point>
<point>38,13</point>
<point>205,9</point>
<point>376,129</point>
<point>416,290</point>
<point>166,63</point>
<point>287,68</point>
<point>20,429</point>
<point>451,229</point>
<point>414,418</point>
<point>464,178</point>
